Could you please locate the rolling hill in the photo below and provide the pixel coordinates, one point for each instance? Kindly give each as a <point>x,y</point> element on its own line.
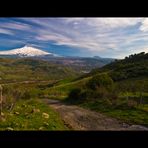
<point>21,69</point>
<point>118,89</point>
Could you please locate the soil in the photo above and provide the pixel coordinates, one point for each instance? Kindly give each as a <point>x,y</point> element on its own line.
<point>77,118</point>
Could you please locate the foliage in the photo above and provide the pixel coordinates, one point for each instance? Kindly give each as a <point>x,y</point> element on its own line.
<point>25,119</point>
<point>14,70</point>
<point>98,87</point>
<point>100,80</point>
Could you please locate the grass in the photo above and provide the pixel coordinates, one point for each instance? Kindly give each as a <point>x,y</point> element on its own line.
<point>25,120</point>
<point>138,115</point>
<point>21,69</point>
<point>62,89</point>
<point>22,117</point>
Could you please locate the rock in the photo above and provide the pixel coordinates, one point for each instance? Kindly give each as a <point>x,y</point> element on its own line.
<point>139,127</point>
<point>35,110</point>
<point>41,128</point>
<point>2,114</point>
<point>9,128</point>
<point>17,113</point>
<point>125,125</point>
<point>46,124</point>
<point>45,115</point>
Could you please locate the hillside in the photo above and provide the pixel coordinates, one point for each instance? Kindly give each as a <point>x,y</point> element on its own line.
<point>31,115</point>
<point>102,90</point>
<point>83,64</point>
<point>119,89</point>
<point>21,69</point>
<point>23,81</point>
<point>134,66</point>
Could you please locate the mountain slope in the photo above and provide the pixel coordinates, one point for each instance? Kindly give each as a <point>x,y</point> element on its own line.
<point>21,69</point>
<point>133,66</point>
<point>125,98</point>
<point>25,51</point>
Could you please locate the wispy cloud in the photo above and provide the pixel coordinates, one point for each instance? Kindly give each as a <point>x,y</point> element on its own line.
<point>112,36</point>
<point>144,25</point>
<point>15,25</point>
<point>5,31</point>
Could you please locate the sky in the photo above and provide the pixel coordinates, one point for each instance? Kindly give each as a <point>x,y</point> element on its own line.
<point>77,36</point>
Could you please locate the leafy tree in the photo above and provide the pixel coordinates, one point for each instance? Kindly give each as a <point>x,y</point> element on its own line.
<point>100,80</point>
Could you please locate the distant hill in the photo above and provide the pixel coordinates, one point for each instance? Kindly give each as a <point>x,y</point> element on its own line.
<point>84,64</point>
<point>81,64</point>
<point>135,65</point>
<point>20,69</point>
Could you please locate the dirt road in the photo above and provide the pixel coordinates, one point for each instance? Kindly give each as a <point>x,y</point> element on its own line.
<point>77,118</point>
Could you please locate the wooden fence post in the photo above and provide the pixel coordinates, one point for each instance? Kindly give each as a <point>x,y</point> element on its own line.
<point>1,100</point>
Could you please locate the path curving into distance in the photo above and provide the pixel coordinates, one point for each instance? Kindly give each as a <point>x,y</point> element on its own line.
<point>77,118</point>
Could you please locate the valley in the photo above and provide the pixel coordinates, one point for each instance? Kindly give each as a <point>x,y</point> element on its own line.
<point>42,95</point>
<point>74,74</point>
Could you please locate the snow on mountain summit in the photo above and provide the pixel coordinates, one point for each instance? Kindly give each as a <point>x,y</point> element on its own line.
<point>25,51</point>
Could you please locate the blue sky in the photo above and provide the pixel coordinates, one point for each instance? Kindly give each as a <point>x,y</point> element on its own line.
<point>105,37</point>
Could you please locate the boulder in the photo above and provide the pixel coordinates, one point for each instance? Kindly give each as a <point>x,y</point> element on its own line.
<point>41,128</point>
<point>17,113</point>
<point>35,110</point>
<point>9,129</point>
<point>125,125</point>
<point>138,127</point>
<point>45,115</point>
<point>46,124</point>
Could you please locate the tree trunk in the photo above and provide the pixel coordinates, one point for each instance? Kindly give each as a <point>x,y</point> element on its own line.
<point>1,100</point>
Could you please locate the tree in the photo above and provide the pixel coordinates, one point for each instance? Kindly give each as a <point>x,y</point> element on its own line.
<point>100,80</point>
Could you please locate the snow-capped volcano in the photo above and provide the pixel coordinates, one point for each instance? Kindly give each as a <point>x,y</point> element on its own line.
<point>25,51</point>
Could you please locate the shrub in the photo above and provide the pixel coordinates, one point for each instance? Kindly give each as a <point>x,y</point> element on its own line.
<point>98,88</point>
<point>78,95</point>
<point>100,80</point>
<point>26,95</point>
<point>74,94</point>
<point>131,103</point>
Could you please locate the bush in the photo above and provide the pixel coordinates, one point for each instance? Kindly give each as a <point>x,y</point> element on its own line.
<point>26,95</point>
<point>100,80</point>
<point>131,103</point>
<point>98,88</point>
<point>74,94</point>
<point>77,95</point>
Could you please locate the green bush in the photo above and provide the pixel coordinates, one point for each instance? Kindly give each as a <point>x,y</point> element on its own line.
<point>26,95</point>
<point>79,95</point>
<point>100,80</point>
<point>97,88</point>
<point>74,95</point>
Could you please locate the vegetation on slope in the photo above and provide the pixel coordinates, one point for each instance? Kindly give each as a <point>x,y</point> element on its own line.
<point>123,95</point>
<point>131,67</point>
<point>12,70</point>
<point>31,115</point>
<point>119,89</point>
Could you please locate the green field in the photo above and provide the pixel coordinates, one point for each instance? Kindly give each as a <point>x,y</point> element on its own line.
<point>29,115</point>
